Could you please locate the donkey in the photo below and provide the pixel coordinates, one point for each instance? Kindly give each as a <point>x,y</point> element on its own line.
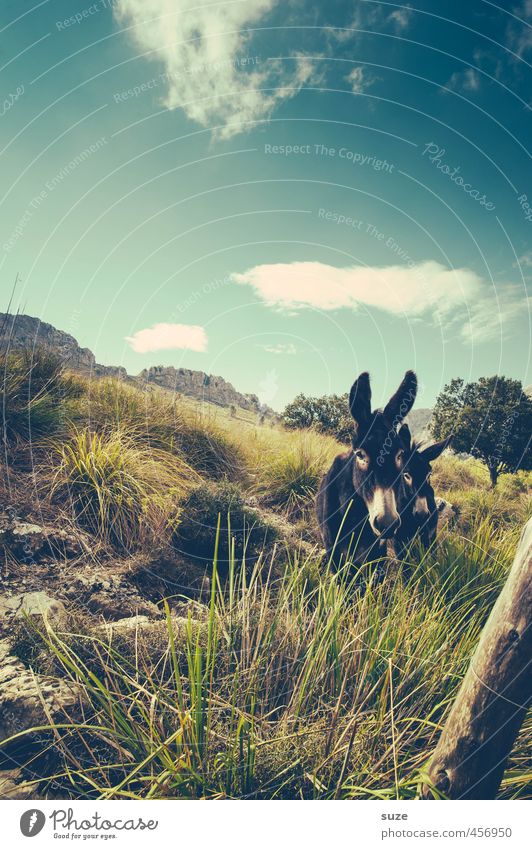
<point>419,509</point>
<point>357,504</point>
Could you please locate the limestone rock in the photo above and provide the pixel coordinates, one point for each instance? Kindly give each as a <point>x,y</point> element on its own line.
<point>24,331</point>
<point>38,606</point>
<point>447,513</point>
<point>110,595</point>
<point>29,541</point>
<point>22,694</point>
<point>152,631</point>
<point>27,332</point>
<point>202,386</point>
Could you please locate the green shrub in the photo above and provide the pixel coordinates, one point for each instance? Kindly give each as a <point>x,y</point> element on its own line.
<point>242,531</point>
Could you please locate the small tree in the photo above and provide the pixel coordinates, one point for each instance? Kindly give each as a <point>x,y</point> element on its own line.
<point>490,419</point>
<point>329,414</point>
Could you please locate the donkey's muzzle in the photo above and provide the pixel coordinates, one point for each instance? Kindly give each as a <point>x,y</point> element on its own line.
<point>383,514</point>
<point>385,527</point>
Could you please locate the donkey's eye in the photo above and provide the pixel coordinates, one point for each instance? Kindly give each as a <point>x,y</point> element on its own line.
<point>362,457</point>
<point>408,477</point>
<point>399,457</point>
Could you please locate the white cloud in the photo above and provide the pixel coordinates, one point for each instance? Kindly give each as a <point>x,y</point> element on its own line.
<point>165,337</point>
<point>359,80</point>
<point>281,348</point>
<point>426,290</point>
<point>401,18</point>
<point>372,18</point>
<point>211,70</point>
<point>526,259</point>
<point>520,33</point>
<point>488,319</point>
<point>468,80</point>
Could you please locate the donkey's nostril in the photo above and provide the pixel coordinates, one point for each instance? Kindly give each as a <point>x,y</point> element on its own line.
<point>386,526</point>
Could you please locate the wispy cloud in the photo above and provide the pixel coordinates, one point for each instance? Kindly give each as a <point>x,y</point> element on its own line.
<point>206,53</point>
<point>401,18</point>
<point>454,297</point>
<point>370,17</point>
<point>524,261</point>
<point>281,348</point>
<point>166,337</point>
<point>468,80</point>
<point>359,80</point>
<point>268,387</point>
<point>519,33</point>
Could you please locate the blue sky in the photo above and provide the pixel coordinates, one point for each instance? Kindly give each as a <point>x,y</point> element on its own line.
<point>281,194</point>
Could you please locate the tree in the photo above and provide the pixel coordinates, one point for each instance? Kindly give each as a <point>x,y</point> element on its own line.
<point>328,414</point>
<point>490,419</point>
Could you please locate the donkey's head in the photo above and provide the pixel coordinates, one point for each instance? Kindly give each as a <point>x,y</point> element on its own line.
<point>417,470</point>
<point>379,452</point>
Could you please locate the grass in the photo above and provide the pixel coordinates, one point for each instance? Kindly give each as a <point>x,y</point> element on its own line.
<point>287,689</point>
<point>116,488</point>
<point>288,684</point>
<point>290,474</point>
<point>36,394</point>
<point>155,418</point>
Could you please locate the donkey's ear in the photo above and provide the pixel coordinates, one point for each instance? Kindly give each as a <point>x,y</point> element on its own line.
<point>402,402</point>
<point>360,399</point>
<point>404,435</point>
<point>434,451</point>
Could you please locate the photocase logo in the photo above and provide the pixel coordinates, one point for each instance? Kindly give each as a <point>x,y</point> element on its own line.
<point>32,822</point>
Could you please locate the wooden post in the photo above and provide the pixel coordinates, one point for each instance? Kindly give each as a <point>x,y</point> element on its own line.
<point>471,754</point>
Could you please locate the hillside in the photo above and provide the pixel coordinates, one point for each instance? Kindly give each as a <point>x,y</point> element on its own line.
<point>25,332</point>
<point>169,629</point>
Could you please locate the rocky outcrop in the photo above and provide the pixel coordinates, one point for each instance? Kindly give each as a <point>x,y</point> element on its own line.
<point>199,385</point>
<point>25,332</point>
<point>27,541</point>
<point>27,700</point>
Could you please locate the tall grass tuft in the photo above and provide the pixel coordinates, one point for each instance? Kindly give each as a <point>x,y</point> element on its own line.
<point>289,476</point>
<point>117,488</point>
<point>35,394</point>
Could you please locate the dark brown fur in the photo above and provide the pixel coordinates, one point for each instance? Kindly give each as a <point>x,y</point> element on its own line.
<point>348,529</point>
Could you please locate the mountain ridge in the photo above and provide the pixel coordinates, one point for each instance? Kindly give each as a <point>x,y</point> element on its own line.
<point>24,331</point>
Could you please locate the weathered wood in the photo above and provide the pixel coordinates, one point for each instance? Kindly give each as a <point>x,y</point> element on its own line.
<point>471,754</point>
